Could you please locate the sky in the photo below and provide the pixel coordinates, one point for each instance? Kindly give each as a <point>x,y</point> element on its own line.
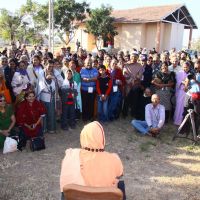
<point>192,6</point>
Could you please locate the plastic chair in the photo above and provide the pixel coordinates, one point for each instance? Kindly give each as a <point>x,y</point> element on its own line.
<point>78,192</point>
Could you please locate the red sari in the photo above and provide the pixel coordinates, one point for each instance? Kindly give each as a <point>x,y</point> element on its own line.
<point>27,114</point>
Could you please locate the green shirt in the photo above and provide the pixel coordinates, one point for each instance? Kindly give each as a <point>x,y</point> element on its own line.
<point>5,121</point>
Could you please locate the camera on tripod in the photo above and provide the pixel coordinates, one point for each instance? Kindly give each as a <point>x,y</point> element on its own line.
<point>191,114</point>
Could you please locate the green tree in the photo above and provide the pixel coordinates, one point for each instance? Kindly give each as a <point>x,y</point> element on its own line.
<point>67,16</point>
<point>101,24</point>
<point>196,44</point>
<point>9,25</point>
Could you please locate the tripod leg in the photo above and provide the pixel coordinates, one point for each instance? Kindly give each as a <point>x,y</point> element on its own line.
<point>181,126</point>
<point>193,125</point>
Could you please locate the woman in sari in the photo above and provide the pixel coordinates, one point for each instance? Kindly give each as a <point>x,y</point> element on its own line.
<point>7,120</point>
<point>77,79</point>
<point>180,92</point>
<point>36,75</point>
<point>91,165</point>
<point>4,90</point>
<point>20,82</point>
<point>164,81</point>
<point>29,116</point>
<point>47,96</point>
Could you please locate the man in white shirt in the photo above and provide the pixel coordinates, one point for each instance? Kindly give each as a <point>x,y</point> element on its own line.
<point>154,118</point>
<point>174,67</point>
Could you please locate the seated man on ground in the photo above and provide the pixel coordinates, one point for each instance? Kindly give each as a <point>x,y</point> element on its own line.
<point>154,118</point>
<point>91,165</point>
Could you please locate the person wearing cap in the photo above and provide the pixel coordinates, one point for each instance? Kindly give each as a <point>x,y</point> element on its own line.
<point>133,74</point>
<point>63,51</point>
<point>91,165</point>
<point>34,51</point>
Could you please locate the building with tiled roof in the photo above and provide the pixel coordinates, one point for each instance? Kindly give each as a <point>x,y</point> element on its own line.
<point>161,27</point>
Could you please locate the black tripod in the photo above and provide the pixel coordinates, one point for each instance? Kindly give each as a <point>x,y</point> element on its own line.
<point>189,116</point>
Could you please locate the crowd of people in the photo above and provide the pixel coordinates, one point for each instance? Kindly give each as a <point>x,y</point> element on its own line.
<point>38,90</point>
<point>42,89</point>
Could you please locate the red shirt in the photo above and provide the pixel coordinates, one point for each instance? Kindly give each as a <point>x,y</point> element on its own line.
<point>27,114</point>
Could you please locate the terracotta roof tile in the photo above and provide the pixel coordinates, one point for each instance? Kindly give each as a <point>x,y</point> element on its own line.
<point>144,14</point>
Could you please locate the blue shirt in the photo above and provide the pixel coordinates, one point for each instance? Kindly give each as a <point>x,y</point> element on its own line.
<point>198,77</point>
<point>88,73</point>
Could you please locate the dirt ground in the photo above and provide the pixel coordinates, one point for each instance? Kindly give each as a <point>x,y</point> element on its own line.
<point>154,168</point>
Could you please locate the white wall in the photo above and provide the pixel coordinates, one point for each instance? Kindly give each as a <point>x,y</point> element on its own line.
<point>82,37</point>
<point>177,32</point>
<point>151,29</point>
<point>129,36</point>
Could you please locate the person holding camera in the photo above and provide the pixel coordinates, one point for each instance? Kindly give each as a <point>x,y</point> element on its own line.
<point>68,98</point>
<point>47,96</point>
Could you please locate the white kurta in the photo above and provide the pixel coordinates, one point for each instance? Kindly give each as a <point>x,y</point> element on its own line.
<point>19,82</point>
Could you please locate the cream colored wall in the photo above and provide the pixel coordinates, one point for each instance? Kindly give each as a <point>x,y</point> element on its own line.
<point>177,32</point>
<point>165,36</point>
<point>138,35</point>
<point>129,36</point>
<point>151,29</point>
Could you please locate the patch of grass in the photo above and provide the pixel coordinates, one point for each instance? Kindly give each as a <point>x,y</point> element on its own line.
<point>192,147</point>
<point>146,145</point>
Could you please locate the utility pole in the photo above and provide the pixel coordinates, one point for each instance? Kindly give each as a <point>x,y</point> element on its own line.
<point>51,26</point>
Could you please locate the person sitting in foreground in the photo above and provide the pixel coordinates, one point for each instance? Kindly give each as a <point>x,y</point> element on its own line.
<point>91,165</point>
<point>29,117</point>
<point>7,120</point>
<point>154,118</point>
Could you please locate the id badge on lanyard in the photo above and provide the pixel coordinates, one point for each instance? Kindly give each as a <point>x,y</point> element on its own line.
<point>90,89</point>
<point>115,88</point>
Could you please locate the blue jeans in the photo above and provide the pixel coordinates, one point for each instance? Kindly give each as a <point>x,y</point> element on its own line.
<point>114,105</point>
<point>68,115</point>
<point>102,109</point>
<point>50,117</point>
<point>141,126</point>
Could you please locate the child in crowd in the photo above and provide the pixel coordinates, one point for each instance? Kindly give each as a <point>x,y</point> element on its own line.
<point>104,87</point>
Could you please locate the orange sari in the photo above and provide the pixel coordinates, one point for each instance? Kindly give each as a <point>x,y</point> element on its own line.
<point>4,91</point>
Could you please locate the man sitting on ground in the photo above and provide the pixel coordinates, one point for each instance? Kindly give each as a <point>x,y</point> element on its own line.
<point>154,118</point>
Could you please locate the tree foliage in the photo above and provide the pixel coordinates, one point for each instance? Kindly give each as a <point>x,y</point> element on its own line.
<point>9,25</point>
<point>67,14</point>
<point>101,24</point>
<point>196,44</point>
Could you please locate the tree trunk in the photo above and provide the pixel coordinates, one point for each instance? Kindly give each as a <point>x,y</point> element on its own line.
<point>96,44</point>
